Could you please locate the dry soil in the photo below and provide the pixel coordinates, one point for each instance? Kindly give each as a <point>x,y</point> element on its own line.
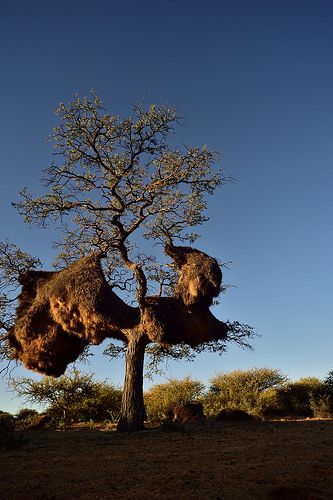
<point>218,461</point>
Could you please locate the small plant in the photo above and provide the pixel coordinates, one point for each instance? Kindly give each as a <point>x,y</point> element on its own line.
<point>61,425</point>
<point>91,425</point>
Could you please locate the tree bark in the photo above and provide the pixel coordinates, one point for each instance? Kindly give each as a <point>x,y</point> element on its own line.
<point>132,413</point>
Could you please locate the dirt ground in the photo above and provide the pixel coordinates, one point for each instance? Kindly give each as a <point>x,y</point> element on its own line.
<point>218,461</point>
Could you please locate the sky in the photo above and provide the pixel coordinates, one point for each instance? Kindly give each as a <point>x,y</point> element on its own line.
<point>254,80</point>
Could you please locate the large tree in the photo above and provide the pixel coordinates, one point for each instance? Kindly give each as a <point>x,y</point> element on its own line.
<point>115,184</point>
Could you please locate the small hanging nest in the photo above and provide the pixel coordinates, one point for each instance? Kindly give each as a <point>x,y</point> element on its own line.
<point>200,276</point>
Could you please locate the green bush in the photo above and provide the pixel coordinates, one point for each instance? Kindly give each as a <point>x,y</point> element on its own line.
<point>161,398</point>
<point>322,398</point>
<point>272,404</point>
<point>241,389</point>
<point>328,381</point>
<point>102,404</point>
<point>292,399</point>
<point>322,405</point>
<point>72,397</point>
<point>25,417</point>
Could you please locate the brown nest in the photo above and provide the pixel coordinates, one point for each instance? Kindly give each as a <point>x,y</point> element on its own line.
<point>200,275</point>
<point>168,321</point>
<point>60,313</point>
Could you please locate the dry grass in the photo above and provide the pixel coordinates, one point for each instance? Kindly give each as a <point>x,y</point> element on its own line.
<point>244,460</point>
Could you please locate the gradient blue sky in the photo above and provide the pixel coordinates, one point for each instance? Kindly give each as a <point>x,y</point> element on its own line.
<point>254,79</point>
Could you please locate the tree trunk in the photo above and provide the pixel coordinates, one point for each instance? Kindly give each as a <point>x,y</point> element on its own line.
<point>132,413</point>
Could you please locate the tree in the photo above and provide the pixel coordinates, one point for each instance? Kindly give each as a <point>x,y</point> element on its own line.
<point>13,264</point>
<point>114,184</point>
<point>328,381</point>
<point>73,396</point>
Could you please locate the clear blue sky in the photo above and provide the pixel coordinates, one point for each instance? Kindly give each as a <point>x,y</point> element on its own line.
<point>254,79</point>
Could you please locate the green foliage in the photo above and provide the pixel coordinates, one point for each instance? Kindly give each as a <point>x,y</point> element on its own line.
<point>72,397</point>
<point>161,398</point>
<point>328,381</point>
<point>322,398</point>
<point>102,404</point>
<point>322,405</point>
<point>25,416</point>
<point>292,399</point>
<point>300,393</point>
<point>241,389</point>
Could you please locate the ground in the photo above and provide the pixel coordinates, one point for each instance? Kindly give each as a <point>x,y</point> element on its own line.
<point>219,461</point>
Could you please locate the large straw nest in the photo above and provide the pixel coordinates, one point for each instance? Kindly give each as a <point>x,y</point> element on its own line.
<point>59,313</point>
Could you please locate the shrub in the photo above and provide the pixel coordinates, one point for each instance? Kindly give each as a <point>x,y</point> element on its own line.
<point>292,399</point>
<point>322,405</point>
<point>72,397</point>
<point>241,389</point>
<point>25,417</point>
<point>328,381</point>
<point>162,398</point>
<point>103,404</point>
<point>272,404</point>
<point>322,398</point>
<point>299,395</point>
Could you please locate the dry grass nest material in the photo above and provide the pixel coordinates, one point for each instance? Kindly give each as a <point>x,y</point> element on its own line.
<point>60,313</point>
